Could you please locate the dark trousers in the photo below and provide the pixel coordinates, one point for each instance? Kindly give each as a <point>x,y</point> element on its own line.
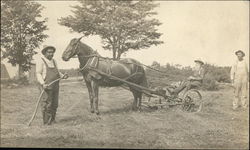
<point>49,103</point>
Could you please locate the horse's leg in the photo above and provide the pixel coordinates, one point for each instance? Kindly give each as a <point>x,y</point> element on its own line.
<point>143,83</point>
<point>135,94</point>
<point>139,100</point>
<point>95,89</point>
<point>88,84</point>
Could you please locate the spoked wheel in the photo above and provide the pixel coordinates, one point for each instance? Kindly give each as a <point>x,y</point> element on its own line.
<point>192,101</point>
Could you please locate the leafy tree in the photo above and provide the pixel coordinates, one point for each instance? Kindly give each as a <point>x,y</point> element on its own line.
<point>21,31</point>
<point>122,25</point>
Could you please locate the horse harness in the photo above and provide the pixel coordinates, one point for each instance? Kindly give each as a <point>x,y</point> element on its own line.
<point>94,60</point>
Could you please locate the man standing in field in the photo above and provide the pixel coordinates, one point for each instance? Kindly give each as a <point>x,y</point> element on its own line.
<point>240,78</point>
<point>47,72</point>
<point>192,81</point>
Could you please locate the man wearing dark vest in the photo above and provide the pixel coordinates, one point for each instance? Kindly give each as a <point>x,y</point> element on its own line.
<point>47,72</point>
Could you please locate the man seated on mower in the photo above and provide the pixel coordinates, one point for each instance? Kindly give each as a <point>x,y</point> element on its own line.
<point>192,81</point>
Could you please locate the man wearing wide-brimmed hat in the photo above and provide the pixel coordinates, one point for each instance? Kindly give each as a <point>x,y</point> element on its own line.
<point>193,81</point>
<point>47,72</point>
<point>240,78</point>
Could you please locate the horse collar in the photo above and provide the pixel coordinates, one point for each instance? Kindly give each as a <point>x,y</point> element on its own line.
<point>91,63</point>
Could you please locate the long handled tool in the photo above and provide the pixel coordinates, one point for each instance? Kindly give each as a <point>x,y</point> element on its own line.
<point>38,101</point>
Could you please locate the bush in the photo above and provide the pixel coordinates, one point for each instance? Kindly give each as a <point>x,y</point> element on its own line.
<point>220,74</point>
<point>209,83</point>
<point>14,83</point>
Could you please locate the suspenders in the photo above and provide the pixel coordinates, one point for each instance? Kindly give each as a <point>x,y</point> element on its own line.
<point>53,63</point>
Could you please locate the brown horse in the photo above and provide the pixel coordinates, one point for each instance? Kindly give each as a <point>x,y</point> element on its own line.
<point>127,69</point>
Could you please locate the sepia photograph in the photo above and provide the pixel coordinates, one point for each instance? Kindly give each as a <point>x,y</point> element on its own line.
<point>124,74</point>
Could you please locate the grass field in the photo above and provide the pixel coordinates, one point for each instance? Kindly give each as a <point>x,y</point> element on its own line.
<point>217,126</point>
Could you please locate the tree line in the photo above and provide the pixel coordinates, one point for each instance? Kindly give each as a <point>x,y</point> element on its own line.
<point>174,73</point>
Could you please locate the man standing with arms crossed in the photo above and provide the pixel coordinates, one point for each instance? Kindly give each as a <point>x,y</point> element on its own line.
<point>240,78</point>
<point>47,72</point>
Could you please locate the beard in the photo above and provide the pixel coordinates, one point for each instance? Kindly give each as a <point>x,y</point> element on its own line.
<point>49,57</point>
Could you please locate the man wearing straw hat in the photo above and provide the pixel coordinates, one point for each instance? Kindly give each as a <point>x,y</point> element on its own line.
<point>47,72</point>
<point>240,78</point>
<point>192,81</point>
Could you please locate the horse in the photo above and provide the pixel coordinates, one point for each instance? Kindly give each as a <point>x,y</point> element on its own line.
<point>127,68</point>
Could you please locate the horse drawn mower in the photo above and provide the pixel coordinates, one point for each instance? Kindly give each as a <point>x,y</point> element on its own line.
<point>128,73</point>
<point>190,100</point>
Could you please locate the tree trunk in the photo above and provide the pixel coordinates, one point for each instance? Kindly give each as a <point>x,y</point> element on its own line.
<point>119,55</point>
<point>20,71</point>
<point>114,54</point>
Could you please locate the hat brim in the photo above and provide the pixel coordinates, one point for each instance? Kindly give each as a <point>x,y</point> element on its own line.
<point>198,61</point>
<point>240,52</point>
<point>48,47</point>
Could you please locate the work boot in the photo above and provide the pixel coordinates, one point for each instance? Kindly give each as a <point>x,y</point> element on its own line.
<point>46,119</point>
<point>53,118</point>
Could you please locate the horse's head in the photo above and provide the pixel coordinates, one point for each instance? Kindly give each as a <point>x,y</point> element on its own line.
<point>72,49</point>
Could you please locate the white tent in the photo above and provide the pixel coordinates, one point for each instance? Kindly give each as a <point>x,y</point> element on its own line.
<point>12,71</point>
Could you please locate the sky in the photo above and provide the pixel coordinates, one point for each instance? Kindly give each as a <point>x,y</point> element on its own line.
<point>209,30</point>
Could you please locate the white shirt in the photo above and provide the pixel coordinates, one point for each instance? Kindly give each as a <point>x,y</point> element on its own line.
<point>41,68</point>
<point>239,68</point>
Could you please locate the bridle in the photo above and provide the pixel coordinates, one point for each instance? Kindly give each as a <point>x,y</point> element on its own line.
<point>76,47</point>
<point>78,51</point>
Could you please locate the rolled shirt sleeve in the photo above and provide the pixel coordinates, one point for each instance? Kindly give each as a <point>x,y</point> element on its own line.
<point>232,72</point>
<point>39,72</point>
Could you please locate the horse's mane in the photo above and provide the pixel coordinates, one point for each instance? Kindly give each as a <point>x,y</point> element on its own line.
<point>87,49</point>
